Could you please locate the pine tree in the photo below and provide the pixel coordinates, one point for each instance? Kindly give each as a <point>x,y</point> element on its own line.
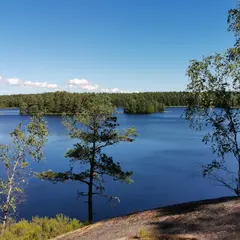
<point>95,128</point>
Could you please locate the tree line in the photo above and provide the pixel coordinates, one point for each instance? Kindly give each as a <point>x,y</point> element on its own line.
<point>71,103</point>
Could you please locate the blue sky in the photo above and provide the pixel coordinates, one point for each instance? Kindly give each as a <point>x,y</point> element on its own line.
<point>106,45</point>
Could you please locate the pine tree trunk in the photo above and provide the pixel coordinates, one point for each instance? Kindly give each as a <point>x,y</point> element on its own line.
<point>90,194</point>
<point>238,187</point>
<point>90,186</point>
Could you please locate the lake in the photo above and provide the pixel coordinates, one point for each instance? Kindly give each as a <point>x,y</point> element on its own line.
<point>10,111</point>
<point>165,158</point>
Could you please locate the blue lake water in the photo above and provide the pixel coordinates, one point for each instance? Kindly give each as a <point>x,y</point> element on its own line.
<point>11,111</point>
<point>165,158</point>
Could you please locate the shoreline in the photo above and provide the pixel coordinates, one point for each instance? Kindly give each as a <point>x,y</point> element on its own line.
<point>172,222</point>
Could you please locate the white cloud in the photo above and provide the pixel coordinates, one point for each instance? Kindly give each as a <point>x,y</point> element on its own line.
<point>110,90</point>
<point>20,83</point>
<point>52,85</point>
<point>115,90</point>
<point>76,81</point>
<point>78,84</point>
<point>83,84</point>
<point>14,81</point>
<point>39,84</point>
<point>90,87</point>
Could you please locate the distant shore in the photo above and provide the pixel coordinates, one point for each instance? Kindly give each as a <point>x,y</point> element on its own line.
<point>175,106</point>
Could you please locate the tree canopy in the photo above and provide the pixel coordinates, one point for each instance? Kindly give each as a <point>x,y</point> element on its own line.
<point>14,158</point>
<point>71,103</point>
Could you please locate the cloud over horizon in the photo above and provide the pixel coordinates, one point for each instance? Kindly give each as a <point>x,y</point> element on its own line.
<point>75,84</point>
<point>20,83</point>
<point>83,84</point>
<point>87,85</point>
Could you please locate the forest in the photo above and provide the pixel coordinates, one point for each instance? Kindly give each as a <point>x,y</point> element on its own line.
<point>56,103</point>
<point>70,103</point>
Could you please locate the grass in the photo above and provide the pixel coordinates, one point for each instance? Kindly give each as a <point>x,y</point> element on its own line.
<point>40,228</point>
<point>144,234</point>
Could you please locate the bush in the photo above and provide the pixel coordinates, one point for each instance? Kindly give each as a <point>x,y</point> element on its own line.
<point>144,234</point>
<point>40,228</point>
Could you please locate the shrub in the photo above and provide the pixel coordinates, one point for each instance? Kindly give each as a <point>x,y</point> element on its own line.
<point>40,228</point>
<point>145,234</point>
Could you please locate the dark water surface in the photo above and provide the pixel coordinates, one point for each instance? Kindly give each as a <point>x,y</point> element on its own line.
<point>165,158</point>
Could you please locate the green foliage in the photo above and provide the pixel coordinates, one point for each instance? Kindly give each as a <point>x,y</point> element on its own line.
<point>95,127</point>
<point>234,22</point>
<point>161,107</point>
<point>26,143</point>
<point>144,234</point>
<point>215,82</point>
<point>40,228</point>
<point>33,109</point>
<point>72,103</point>
<point>140,104</point>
